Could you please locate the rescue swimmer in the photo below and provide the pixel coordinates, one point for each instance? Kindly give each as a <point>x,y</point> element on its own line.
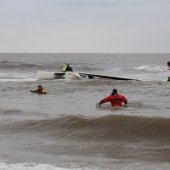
<point>168,63</point>
<point>115,99</point>
<point>39,90</point>
<point>67,68</point>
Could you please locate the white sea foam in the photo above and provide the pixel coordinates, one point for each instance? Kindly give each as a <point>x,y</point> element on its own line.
<point>72,76</point>
<point>6,77</point>
<point>16,80</point>
<point>152,68</point>
<point>33,166</point>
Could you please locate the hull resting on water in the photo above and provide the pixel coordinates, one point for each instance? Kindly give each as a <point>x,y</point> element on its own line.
<point>42,75</point>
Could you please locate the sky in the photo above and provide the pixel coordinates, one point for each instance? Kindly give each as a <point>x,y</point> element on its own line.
<point>85,26</point>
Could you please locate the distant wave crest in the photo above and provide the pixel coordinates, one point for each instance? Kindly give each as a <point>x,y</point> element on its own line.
<point>8,64</point>
<point>152,68</point>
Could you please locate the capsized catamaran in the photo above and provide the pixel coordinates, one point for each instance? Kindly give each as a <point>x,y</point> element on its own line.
<point>43,75</point>
<point>103,76</point>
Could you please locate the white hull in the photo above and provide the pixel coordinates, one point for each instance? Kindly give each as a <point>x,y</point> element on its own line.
<point>43,75</point>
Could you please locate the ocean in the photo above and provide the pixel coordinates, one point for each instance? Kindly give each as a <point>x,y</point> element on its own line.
<point>64,130</point>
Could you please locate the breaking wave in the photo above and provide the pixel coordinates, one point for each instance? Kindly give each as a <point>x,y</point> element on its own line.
<point>32,166</point>
<point>111,127</point>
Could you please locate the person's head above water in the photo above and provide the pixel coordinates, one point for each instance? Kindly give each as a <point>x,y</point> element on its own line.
<point>114,91</point>
<point>39,87</point>
<point>168,63</point>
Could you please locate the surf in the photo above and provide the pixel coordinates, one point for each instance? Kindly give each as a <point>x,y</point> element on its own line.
<point>105,128</point>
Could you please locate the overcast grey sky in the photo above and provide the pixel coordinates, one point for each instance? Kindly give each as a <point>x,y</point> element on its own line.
<point>108,26</point>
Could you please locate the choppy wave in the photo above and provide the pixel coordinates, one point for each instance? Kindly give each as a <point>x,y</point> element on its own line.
<point>26,65</point>
<point>32,166</point>
<point>17,65</point>
<point>111,127</point>
<point>152,68</point>
<point>10,112</point>
<point>14,76</point>
<point>9,65</point>
<point>152,72</point>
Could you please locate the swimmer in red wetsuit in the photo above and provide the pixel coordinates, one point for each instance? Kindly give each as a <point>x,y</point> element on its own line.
<point>115,99</point>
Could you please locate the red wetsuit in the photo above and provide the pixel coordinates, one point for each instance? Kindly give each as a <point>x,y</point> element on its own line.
<point>116,100</point>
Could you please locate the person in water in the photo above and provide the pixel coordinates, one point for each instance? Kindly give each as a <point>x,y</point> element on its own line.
<point>39,90</point>
<point>115,99</point>
<point>168,63</point>
<point>67,68</point>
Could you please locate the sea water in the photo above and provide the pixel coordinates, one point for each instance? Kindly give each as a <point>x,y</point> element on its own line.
<point>65,130</point>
